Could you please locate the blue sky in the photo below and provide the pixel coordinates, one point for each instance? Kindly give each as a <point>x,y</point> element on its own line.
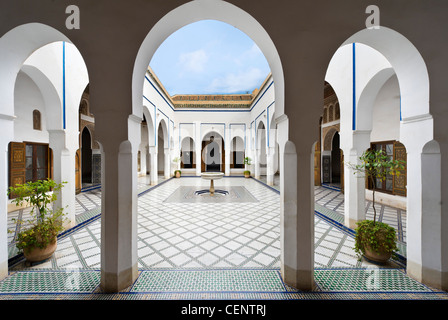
<point>209,57</point>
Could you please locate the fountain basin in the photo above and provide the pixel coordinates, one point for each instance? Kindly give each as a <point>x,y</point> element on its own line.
<point>212,176</point>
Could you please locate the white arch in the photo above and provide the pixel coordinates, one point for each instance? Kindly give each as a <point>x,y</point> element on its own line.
<point>416,131</point>
<point>261,133</point>
<point>15,47</point>
<point>216,133</point>
<point>90,135</point>
<point>236,138</point>
<point>187,137</point>
<point>150,126</point>
<point>368,96</point>
<point>53,105</point>
<point>407,63</point>
<point>197,10</point>
<point>162,124</point>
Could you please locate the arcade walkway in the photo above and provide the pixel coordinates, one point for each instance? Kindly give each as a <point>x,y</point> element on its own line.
<point>193,249</point>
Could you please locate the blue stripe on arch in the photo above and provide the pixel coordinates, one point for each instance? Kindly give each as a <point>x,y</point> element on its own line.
<point>354,88</point>
<point>63,84</point>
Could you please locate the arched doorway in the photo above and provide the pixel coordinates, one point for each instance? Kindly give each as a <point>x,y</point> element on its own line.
<point>78,178</point>
<point>160,152</point>
<point>211,10</point>
<point>149,136</point>
<point>187,153</point>
<point>237,153</point>
<point>335,160</point>
<point>34,45</point>
<point>261,152</point>
<point>163,152</point>
<point>86,157</point>
<point>213,153</point>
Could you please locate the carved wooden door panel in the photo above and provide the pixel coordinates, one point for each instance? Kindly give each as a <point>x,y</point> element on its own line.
<point>399,184</point>
<point>202,156</point>
<point>78,171</point>
<point>317,164</point>
<point>326,164</point>
<point>17,164</point>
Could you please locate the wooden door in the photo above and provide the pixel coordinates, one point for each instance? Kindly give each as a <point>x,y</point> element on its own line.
<point>317,164</point>
<point>78,171</point>
<point>17,164</point>
<point>223,158</point>
<point>202,157</point>
<point>399,183</point>
<point>326,163</point>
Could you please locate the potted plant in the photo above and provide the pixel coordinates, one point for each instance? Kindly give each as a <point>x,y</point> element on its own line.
<point>247,162</point>
<point>177,171</point>
<point>376,240</point>
<point>38,241</point>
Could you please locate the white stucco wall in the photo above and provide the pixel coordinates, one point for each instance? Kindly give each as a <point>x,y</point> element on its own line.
<point>197,123</point>
<point>386,113</point>
<point>28,97</point>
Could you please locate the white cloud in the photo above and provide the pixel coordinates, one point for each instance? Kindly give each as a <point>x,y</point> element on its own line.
<point>249,55</point>
<point>240,82</point>
<point>193,61</point>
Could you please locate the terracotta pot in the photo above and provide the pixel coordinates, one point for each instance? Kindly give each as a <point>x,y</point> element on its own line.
<point>38,254</point>
<point>247,175</point>
<point>177,174</point>
<point>380,257</point>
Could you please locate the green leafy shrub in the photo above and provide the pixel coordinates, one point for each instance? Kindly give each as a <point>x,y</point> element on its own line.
<point>45,223</point>
<point>378,236</point>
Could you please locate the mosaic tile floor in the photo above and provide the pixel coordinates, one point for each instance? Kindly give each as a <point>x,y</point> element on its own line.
<point>210,251</point>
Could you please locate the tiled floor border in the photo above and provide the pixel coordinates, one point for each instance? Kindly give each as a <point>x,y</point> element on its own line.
<point>286,293</point>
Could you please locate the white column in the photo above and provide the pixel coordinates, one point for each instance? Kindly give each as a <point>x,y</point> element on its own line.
<point>119,267</point>
<point>143,161</point>
<point>226,147</point>
<point>270,166</point>
<point>7,125</point>
<point>297,219</point>
<point>198,147</point>
<point>354,192</point>
<point>64,171</point>
<point>257,163</point>
<point>154,175</point>
<point>355,184</point>
<point>434,269</point>
<point>167,166</point>
<point>148,169</point>
<point>425,226</point>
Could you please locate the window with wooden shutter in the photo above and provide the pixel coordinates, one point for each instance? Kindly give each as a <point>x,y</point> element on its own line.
<point>393,184</point>
<point>29,162</point>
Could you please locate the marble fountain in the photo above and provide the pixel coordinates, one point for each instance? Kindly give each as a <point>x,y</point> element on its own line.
<point>211,176</point>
